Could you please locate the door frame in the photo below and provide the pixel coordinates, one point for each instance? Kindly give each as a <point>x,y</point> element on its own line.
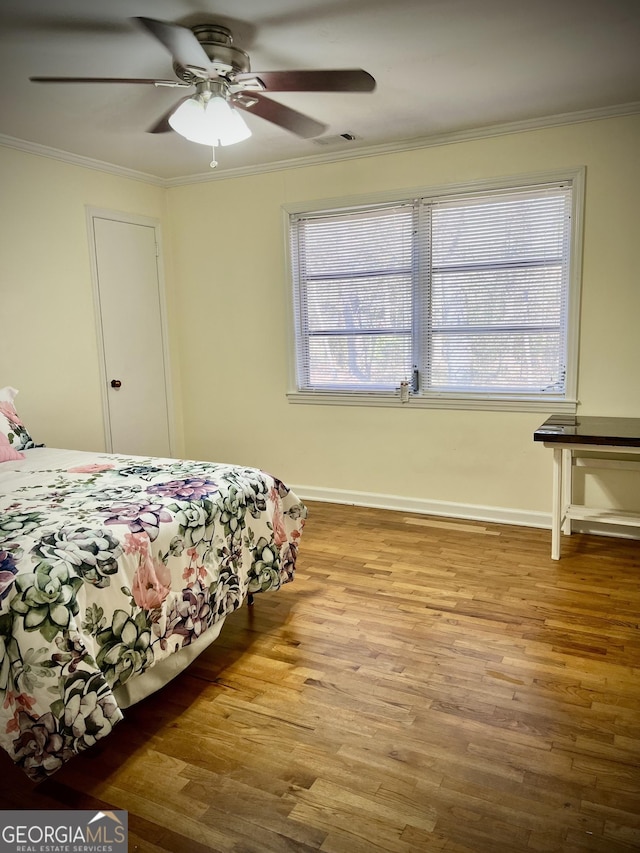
<point>93,213</point>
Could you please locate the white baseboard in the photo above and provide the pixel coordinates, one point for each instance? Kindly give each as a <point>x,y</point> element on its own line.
<point>471,512</point>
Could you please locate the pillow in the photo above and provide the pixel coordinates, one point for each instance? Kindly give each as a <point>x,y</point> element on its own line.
<point>11,426</point>
<point>6,451</point>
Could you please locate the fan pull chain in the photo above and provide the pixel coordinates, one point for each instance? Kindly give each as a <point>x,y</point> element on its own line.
<point>213,162</point>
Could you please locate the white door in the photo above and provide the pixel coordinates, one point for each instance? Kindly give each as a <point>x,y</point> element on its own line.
<point>130,315</point>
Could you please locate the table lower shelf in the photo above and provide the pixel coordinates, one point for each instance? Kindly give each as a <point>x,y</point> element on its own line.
<point>602,516</point>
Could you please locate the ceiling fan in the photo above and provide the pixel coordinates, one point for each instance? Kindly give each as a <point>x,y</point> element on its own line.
<point>205,57</point>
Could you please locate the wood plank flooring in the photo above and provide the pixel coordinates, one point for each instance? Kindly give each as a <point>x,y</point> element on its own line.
<point>423,685</point>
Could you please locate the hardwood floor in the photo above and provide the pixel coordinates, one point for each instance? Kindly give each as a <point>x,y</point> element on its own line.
<point>423,685</point>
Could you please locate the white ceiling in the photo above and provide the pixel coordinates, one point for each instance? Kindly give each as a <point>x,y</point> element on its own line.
<point>441,66</point>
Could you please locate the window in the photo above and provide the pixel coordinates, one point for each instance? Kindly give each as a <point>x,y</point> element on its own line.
<point>468,296</point>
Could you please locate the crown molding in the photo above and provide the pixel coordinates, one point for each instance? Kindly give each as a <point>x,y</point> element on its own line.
<point>433,140</point>
<point>79,160</point>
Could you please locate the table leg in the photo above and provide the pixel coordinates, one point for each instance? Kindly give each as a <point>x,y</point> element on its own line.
<point>556,505</point>
<point>567,489</point>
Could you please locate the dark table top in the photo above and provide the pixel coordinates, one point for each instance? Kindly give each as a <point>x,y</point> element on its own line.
<point>616,432</point>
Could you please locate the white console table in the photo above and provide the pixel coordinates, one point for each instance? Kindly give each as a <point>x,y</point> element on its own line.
<point>567,437</point>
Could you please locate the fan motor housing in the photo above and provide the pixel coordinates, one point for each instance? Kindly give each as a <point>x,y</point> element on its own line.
<point>217,43</point>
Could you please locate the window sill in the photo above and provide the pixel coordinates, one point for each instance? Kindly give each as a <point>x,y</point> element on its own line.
<point>512,403</point>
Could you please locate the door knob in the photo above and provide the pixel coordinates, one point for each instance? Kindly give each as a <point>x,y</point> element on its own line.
<point>115,383</point>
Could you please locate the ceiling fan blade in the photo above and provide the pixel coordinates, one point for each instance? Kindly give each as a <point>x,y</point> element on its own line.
<point>162,125</point>
<point>172,83</point>
<point>181,43</point>
<point>272,111</point>
<point>337,80</point>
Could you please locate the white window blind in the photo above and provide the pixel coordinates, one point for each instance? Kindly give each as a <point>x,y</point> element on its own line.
<point>355,282</point>
<point>462,294</point>
<point>496,311</point>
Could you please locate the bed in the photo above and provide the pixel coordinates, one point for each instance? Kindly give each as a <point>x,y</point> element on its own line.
<point>115,571</point>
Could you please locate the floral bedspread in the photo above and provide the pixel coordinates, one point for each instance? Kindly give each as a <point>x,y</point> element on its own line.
<point>108,564</point>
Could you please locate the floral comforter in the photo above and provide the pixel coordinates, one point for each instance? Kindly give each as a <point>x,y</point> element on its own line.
<point>108,564</point>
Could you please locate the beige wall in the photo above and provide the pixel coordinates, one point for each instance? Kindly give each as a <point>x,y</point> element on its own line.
<point>229,247</point>
<point>227,301</point>
<point>48,347</point>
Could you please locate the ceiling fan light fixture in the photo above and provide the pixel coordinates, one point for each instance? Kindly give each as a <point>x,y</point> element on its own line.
<point>226,123</point>
<point>188,121</point>
<point>208,119</point>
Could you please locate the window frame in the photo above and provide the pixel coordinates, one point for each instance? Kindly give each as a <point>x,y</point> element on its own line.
<point>565,403</point>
